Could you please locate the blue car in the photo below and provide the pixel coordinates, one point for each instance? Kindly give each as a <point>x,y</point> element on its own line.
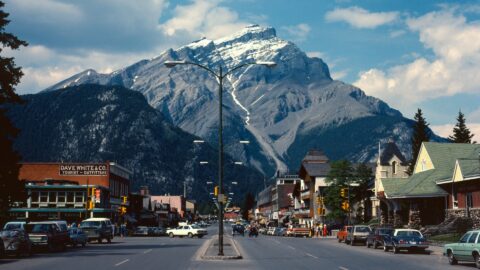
<point>405,239</point>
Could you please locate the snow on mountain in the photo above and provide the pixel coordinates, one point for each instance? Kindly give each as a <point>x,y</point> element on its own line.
<point>283,110</point>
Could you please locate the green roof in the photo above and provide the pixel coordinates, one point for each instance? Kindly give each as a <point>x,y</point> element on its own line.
<point>469,167</point>
<point>392,185</point>
<point>424,184</point>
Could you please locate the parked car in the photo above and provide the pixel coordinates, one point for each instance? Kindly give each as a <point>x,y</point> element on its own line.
<point>77,237</point>
<point>406,239</point>
<point>342,234</point>
<point>157,231</point>
<point>262,230</point>
<point>271,230</point>
<point>15,242</point>
<point>142,231</point>
<point>98,229</point>
<point>358,233</point>
<point>187,230</point>
<point>375,238</point>
<point>298,230</point>
<point>466,249</point>
<point>14,225</point>
<point>47,234</point>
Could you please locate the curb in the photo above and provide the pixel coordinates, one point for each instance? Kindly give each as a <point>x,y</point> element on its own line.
<point>221,258</point>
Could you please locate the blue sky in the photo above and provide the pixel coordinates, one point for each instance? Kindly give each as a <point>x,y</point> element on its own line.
<point>411,54</point>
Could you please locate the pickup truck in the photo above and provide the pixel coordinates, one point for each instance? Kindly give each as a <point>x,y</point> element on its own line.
<point>297,230</point>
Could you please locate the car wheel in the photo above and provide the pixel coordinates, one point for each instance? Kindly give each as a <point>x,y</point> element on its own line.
<point>395,249</point>
<point>375,245</point>
<point>171,235</point>
<point>477,260</point>
<point>190,235</point>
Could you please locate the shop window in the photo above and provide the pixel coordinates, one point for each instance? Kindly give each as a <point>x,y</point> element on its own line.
<point>43,196</point>
<point>34,197</point>
<point>70,197</point>
<point>61,197</point>
<point>78,196</point>
<point>52,197</point>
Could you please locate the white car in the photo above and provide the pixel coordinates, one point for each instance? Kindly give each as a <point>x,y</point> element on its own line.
<point>187,230</point>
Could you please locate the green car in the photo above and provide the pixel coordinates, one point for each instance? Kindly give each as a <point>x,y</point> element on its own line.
<point>467,249</point>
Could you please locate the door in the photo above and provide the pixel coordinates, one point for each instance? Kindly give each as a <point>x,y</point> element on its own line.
<point>470,246</point>
<point>460,252</point>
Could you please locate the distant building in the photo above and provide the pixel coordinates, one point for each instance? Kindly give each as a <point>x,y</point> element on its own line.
<point>177,203</point>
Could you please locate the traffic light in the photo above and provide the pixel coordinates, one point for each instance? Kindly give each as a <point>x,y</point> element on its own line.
<point>343,192</point>
<point>215,191</point>
<point>321,211</point>
<point>91,192</point>
<point>124,199</point>
<point>90,204</point>
<point>345,206</point>
<point>122,210</point>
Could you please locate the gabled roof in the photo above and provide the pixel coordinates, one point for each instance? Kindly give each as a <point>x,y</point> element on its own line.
<point>424,184</point>
<point>469,167</point>
<point>317,169</point>
<point>391,186</point>
<point>390,151</point>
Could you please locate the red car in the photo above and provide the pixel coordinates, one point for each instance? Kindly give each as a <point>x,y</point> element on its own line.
<point>342,234</point>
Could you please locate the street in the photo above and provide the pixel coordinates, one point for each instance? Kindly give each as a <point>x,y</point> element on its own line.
<point>264,252</point>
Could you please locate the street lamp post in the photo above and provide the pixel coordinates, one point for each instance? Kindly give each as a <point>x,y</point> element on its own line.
<point>219,76</point>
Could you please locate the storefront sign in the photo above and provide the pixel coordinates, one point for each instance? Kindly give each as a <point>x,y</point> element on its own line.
<point>97,195</point>
<point>83,170</point>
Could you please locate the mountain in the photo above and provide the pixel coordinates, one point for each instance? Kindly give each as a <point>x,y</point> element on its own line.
<point>284,111</point>
<point>92,123</point>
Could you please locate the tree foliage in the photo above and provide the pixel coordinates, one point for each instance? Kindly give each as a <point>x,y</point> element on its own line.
<point>461,133</point>
<point>11,190</point>
<point>420,134</point>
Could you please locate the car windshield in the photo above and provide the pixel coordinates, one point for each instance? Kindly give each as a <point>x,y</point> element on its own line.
<point>409,233</point>
<point>12,226</point>
<point>362,229</point>
<point>86,224</point>
<point>39,228</point>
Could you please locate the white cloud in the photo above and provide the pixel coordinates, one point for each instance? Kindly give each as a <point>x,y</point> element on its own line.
<point>453,70</point>
<point>203,18</point>
<point>361,18</point>
<point>315,54</point>
<point>297,32</point>
<point>338,75</point>
<point>397,33</point>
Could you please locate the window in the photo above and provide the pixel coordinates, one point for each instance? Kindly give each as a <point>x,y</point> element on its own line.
<point>34,196</point>
<point>78,196</point>
<point>465,238</point>
<point>52,197</point>
<point>473,238</point>
<point>43,196</point>
<point>394,167</point>
<point>70,197</point>
<point>469,200</point>
<point>61,197</point>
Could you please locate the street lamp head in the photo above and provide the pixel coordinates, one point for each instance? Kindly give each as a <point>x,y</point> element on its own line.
<point>238,163</point>
<point>203,162</point>
<point>198,141</point>
<point>235,183</point>
<point>170,64</point>
<point>269,64</point>
<point>245,142</point>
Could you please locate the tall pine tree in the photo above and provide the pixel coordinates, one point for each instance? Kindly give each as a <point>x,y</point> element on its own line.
<point>461,134</point>
<point>11,190</point>
<point>341,173</point>
<point>420,134</point>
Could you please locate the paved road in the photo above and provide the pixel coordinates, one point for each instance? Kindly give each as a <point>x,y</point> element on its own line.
<point>265,252</point>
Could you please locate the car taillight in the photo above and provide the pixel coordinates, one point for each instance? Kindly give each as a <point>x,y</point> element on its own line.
<point>402,242</point>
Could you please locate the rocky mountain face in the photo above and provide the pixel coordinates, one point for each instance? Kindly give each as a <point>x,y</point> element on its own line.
<point>91,123</point>
<point>284,111</point>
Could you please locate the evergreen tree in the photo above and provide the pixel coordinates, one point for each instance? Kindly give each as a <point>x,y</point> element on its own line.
<point>363,176</point>
<point>339,176</point>
<point>11,190</point>
<point>461,134</point>
<point>420,134</point>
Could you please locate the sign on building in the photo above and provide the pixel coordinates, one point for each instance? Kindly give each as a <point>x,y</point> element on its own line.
<point>83,169</point>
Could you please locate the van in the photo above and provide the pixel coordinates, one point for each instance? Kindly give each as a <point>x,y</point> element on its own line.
<point>14,225</point>
<point>98,229</point>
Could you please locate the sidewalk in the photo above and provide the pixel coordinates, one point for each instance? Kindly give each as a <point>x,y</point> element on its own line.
<point>230,249</point>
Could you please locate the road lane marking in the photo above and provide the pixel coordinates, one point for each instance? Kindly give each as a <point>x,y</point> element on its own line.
<point>122,262</point>
<point>290,247</point>
<point>342,268</point>
<point>147,251</point>
<point>308,254</point>
<point>276,241</point>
